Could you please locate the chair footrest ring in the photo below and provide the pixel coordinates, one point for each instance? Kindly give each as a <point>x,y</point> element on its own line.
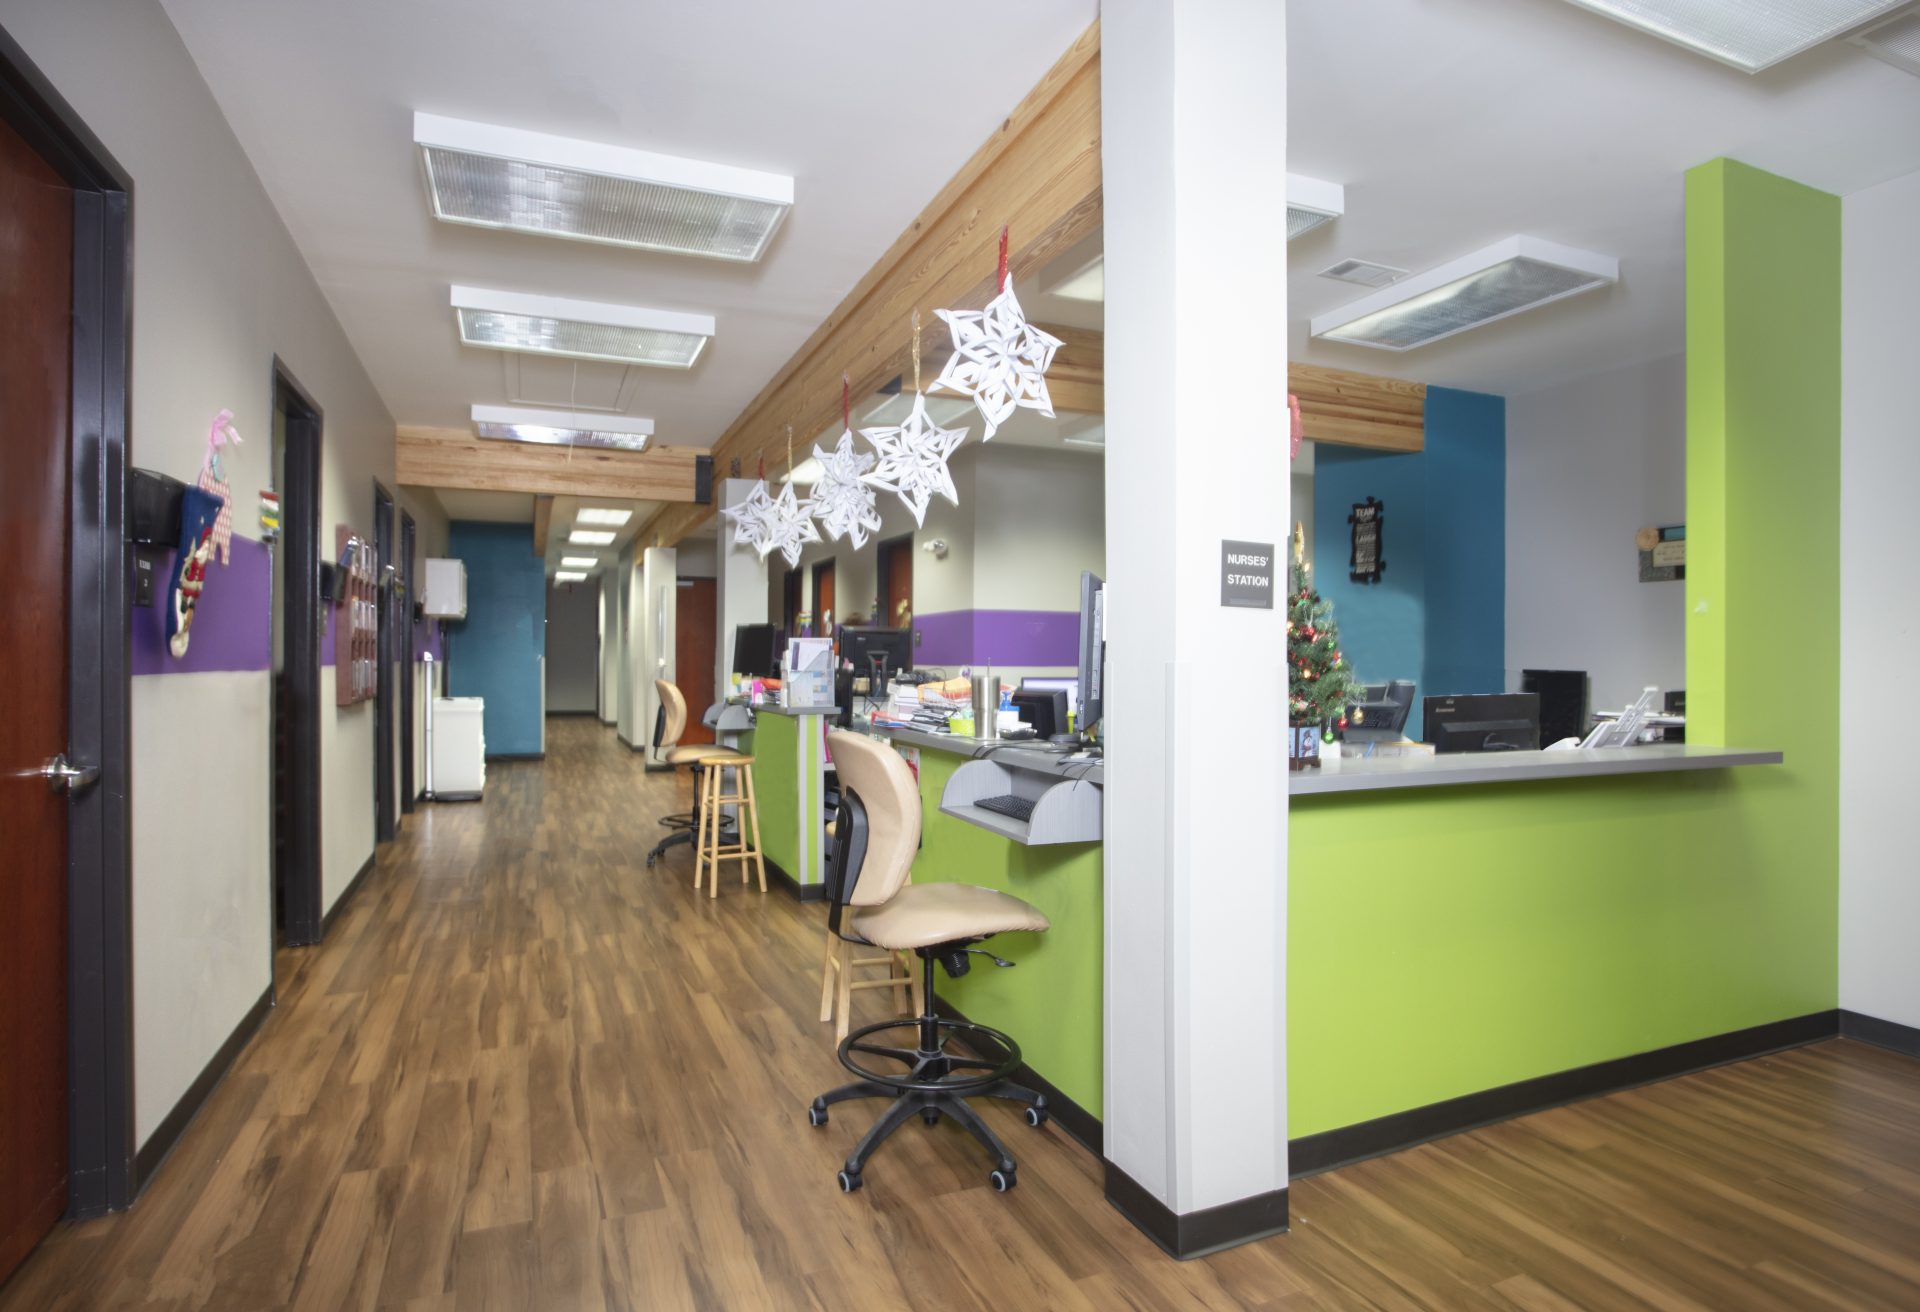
<point>935,1071</point>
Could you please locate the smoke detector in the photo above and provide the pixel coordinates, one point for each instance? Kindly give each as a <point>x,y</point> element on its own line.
<point>1364,272</point>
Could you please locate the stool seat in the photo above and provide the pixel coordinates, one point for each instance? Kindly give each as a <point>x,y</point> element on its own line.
<point>701,754</point>
<point>927,915</point>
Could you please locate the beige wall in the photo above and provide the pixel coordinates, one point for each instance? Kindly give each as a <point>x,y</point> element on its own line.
<point>218,291</point>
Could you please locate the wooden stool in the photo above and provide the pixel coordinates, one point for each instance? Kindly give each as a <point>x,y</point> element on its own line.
<point>836,1004</point>
<point>708,850</point>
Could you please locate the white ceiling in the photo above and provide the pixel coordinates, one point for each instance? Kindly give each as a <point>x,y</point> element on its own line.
<point>1455,123</point>
<point>871,105</point>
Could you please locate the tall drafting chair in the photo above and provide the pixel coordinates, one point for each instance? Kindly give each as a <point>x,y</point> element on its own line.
<point>876,835</point>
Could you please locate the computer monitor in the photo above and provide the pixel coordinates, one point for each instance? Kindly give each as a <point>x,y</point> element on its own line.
<point>756,650</point>
<point>876,653</point>
<point>1483,722</point>
<point>1093,650</point>
<point>1044,709</point>
<point>1380,714</point>
<point>1563,702</point>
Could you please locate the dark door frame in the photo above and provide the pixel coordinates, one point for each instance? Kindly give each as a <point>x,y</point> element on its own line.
<point>100,1148</point>
<point>386,821</point>
<point>300,572</point>
<point>883,612</point>
<point>409,536</point>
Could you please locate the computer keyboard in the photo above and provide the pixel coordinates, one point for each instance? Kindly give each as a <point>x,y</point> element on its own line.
<point>1014,808</point>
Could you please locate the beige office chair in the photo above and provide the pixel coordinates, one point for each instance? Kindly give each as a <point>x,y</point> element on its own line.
<point>709,764</point>
<point>838,981</point>
<point>877,833</point>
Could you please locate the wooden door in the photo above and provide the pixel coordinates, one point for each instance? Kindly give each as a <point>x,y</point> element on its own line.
<point>791,604</point>
<point>694,617</point>
<point>823,607</point>
<point>36,307</point>
<point>896,584</point>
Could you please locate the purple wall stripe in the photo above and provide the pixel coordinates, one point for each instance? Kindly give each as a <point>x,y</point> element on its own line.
<point>232,624</point>
<point>1000,637</point>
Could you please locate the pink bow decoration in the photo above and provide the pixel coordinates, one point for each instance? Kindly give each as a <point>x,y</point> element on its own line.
<point>1298,430</point>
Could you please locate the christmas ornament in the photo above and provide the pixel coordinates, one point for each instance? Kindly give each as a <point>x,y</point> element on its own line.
<point>199,512</point>
<point>749,517</point>
<point>842,501</point>
<point>912,457</point>
<point>999,359</point>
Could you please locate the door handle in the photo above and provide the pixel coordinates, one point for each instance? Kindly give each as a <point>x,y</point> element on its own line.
<point>63,776</point>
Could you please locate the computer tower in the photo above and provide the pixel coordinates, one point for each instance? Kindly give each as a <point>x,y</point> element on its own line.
<point>1563,702</point>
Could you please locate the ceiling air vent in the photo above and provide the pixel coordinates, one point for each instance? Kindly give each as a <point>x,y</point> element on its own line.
<point>1311,202</point>
<point>1897,41</point>
<point>495,177</point>
<point>563,428</point>
<point>1506,278</point>
<point>1364,272</point>
<point>584,330</point>
<point>1748,34</point>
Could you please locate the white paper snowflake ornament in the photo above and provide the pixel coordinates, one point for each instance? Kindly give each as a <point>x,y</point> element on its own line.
<point>749,518</point>
<point>842,501</point>
<point>913,459</point>
<point>789,524</point>
<point>999,359</point>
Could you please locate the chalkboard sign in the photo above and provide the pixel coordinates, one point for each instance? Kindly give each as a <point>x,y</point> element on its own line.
<point>1368,556</point>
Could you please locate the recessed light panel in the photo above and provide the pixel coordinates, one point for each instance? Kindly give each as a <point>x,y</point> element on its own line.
<point>1311,202</point>
<point>561,427</point>
<point>583,330</point>
<point>580,562</point>
<point>497,177</point>
<point>591,537</point>
<point>568,576</point>
<point>603,516</point>
<point>1506,278</point>
<point>1748,34</point>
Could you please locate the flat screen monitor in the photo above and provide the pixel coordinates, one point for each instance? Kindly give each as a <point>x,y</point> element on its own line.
<point>1563,702</point>
<point>1045,710</point>
<point>756,650</point>
<point>860,646</point>
<point>1093,650</point>
<point>1483,722</point>
<point>1380,714</point>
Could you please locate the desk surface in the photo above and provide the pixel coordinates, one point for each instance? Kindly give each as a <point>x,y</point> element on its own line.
<point>1012,754</point>
<point>1356,776</point>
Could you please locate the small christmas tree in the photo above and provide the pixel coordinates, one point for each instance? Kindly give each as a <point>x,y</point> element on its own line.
<point>1320,684</point>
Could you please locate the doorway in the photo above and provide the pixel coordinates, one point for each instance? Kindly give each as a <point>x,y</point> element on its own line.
<point>386,824</point>
<point>296,701</point>
<point>896,583</point>
<point>404,615</point>
<point>823,599</point>
<point>791,604</point>
<point>695,611</point>
<point>66,1084</point>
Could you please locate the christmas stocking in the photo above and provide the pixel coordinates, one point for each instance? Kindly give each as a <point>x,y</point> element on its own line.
<point>199,511</point>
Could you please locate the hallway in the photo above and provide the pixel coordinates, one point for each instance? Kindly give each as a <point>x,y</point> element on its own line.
<point>524,1071</point>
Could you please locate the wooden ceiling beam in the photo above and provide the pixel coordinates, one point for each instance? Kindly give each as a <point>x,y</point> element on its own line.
<point>1343,408</point>
<point>1039,174</point>
<point>455,458</point>
<point>542,520</point>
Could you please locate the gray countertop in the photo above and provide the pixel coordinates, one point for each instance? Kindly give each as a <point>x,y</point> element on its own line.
<point>1011,754</point>
<point>1359,776</point>
<point>794,712</point>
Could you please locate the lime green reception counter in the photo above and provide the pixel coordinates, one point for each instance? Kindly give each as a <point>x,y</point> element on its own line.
<point>789,783</point>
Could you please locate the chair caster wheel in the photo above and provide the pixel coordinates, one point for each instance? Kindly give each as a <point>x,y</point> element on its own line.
<point>1001,1180</point>
<point>930,1117</point>
<point>1037,1116</point>
<point>850,1180</point>
<point>816,1116</point>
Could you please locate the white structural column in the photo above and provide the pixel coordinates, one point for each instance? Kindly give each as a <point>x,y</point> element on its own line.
<point>740,584</point>
<point>653,652</point>
<point>1194,133</point>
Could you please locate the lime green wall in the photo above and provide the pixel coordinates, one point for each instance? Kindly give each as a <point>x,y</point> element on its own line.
<point>1051,1001</point>
<point>1451,940</point>
<point>778,773</point>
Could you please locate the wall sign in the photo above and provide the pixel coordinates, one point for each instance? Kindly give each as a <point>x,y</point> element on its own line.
<point>1663,553</point>
<point>1368,555</point>
<point>1246,574</point>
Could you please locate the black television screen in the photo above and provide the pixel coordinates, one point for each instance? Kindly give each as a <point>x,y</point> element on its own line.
<point>1483,722</point>
<point>756,651</point>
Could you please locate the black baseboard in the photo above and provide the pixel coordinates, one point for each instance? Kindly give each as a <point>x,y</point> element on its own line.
<point>801,892</point>
<point>1314,1153</point>
<point>1888,1034</point>
<point>165,1135</point>
<point>573,715</point>
<point>346,894</point>
<point>1196,1234</point>
<point>1079,1123</point>
<point>516,756</point>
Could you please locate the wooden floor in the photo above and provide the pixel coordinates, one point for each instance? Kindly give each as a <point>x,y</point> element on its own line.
<point>527,1072</point>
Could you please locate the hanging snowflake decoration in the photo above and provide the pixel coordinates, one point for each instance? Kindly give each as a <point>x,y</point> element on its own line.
<point>842,501</point>
<point>999,359</point>
<point>750,518</point>
<point>789,525</point>
<point>913,459</point>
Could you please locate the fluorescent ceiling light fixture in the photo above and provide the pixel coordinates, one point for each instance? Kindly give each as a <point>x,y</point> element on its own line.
<point>568,576</point>
<point>496,177</point>
<point>1087,283</point>
<point>591,537</point>
<point>1311,202</point>
<point>1506,278</point>
<point>580,562</point>
<point>583,330</point>
<point>1748,34</point>
<point>510,423</point>
<point>601,515</point>
<point>1896,41</point>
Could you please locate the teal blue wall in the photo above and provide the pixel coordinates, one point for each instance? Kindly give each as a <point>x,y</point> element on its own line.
<point>495,652</point>
<point>1438,615</point>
